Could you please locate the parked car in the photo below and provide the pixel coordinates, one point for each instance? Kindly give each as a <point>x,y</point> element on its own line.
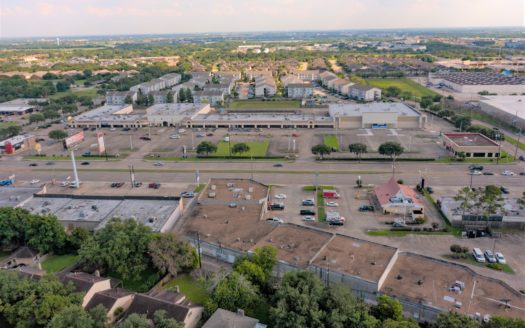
<point>500,258</point>
<point>522,173</point>
<point>276,207</point>
<point>145,138</point>
<point>33,164</point>
<point>399,223</point>
<point>331,204</point>
<point>137,184</point>
<point>430,190</point>
<point>478,256</point>
<point>309,219</point>
<point>366,208</point>
<point>35,181</point>
<point>488,173</point>
<point>475,173</point>
<point>209,134</point>
<point>126,129</point>
<point>308,202</point>
<point>275,219</point>
<point>188,194</point>
<point>232,205</point>
<point>86,154</point>
<point>280,196</point>
<point>508,173</point>
<point>504,190</point>
<point>490,256</point>
<point>40,139</point>
<point>306,212</point>
<point>475,167</point>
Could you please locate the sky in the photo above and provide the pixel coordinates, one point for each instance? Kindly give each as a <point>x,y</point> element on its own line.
<point>25,18</point>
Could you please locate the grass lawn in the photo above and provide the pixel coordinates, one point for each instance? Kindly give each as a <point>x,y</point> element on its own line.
<point>57,263</point>
<point>142,284</point>
<point>505,158</point>
<point>312,188</point>
<point>199,187</point>
<point>403,84</point>
<point>470,260</point>
<point>257,149</point>
<point>321,214</point>
<point>4,125</point>
<point>194,290</point>
<point>248,104</point>
<point>512,141</point>
<point>331,141</point>
<point>91,92</point>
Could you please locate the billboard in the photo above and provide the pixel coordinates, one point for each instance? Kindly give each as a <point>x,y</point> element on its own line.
<point>73,140</point>
<point>101,145</point>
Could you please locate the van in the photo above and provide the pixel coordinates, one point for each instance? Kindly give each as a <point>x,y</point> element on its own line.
<point>478,255</point>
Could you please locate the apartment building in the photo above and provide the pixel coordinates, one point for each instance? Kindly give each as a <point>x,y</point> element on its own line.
<point>364,92</point>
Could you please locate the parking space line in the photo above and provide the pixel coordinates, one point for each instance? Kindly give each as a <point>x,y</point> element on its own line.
<point>368,133</point>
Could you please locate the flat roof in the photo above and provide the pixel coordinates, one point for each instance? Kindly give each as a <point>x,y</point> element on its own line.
<point>428,280</point>
<point>258,117</point>
<point>16,139</point>
<point>480,78</point>
<point>470,139</point>
<point>108,113</point>
<point>513,105</point>
<point>178,109</point>
<point>11,196</point>
<point>355,109</point>
<point>356,257</point>
<point>15,109</point>
<point>295,244</point>
<point>22,101</point>
<point>99,210</point>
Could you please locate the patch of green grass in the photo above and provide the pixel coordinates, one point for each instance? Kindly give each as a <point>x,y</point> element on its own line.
<point>91,92</point>
<point>331,141</point>
<point>214,159</point>
<point>403,84</point>
<point>257,149</point>
<point>312,188</point>
<point>199,187</point>
<point>257,104</point>
<point>470,260</point>
<point>57,263</point>
<point>505,158</point>
<point>515,142</point>
<point>143,283</point>
<point>321,214</point>
<point>195,290</point>
<point>4,125</point>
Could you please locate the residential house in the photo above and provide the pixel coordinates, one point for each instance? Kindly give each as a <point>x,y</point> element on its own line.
<point>171,79</point>
<point>86,283</point>
<point>290,79</point>
<point>211,97</point>
<point>226,319</point>
<point>244,90</point>
<point>399,199</point>
<point>326,76</point>
<point>119,97</point>
<point>299,90</point>
<point>200,78</point>
<point>111,299</point>
<point>265,86</point>
<point>226,87</point>
<point>308,75</point>
<point>175,305</point>
<point>147,87</point>
<point>364,92</point>
<point>23,256</point>
<point>161,97</point>
<point>341,86</point>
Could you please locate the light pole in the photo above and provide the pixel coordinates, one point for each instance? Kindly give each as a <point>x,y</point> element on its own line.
<point>517,144</point>
<point>498,138</point>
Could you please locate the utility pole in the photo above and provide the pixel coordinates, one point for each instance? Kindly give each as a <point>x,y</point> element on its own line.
<point>130,143</point>
<point>199,249</point>
<point>75,173</point>
<point>517,144</point>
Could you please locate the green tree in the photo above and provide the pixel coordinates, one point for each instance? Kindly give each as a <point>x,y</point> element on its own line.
<point>240,148</point>
<point>357,149</point>
<point>504,322</point>
<point>342,309</point>
<point>392,150</point>
<point>161,321</point>
<point>72,316</point>
<point>171,255</point>
<point>462,122</point>
<point>206,147</point>
<point>426,102</point>
<point>10,131</point>
<point>88,73</point>
<point>45,233</point>
<point>120,247</point>
<point>169,98</point>
<point>99,314</point>
<point>128,100</point>
<point>12,227</point>
<point>235,292</point>
<point>135,320</point>
<point>50,114</point>
<point>57,134</point>
<point>321,150</point>
<point>392,91</point>
<point>37,117</point>
<point>387,308</point>
<point>63,85</point>
<point>399,324</point>
<point>455,320</point>
<point>77,237</point>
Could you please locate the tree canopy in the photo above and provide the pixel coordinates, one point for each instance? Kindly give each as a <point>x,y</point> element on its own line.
<point>171,255</point>
<point>357,149</point>
<point>321,150</point>
<point>206,147</point>
<point>240,148</point>
<point>57,134</point>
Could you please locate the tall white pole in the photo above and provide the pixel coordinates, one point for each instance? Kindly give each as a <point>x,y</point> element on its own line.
<point>130,142</point>
<point>75,173</point>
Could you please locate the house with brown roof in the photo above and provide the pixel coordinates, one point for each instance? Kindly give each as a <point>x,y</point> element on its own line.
<point>327,76</point>
<point>22,256</point>
<point>399,199</point>
<point>86,283</point>
<point>112,299</point>
<point>175,305</point>
<point>227,319</point>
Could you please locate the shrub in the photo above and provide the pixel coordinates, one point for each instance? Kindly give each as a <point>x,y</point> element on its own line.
<point>455,248</point>
<point>435,225</point>
<point>465,249</point>
<point>495,266</point>
<point>419,220</point>
<point>400,181</point>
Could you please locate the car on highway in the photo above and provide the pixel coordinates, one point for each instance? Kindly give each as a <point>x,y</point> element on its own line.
<point>308,218</point>
<point>50,163</point>
<point>187,194</point>
<point>181,131</point>
<point>488,173</point>
<point>158,164</point>
<point>84,163</point>
<point>508,173</point>
<point>275,219</point>
<point>280,196</point>
<point>331,204</point>
<point>154,185</point>
<point>277,165</point>
<point>35,181</point>
<point>475,172</point>
<point>308,202</point>
<point>475,167</point>
<point>33,164</point>
<point>500,258</point>
<point>145,138</point>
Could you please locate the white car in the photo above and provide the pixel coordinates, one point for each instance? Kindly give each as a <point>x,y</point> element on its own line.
<point>275,219</point>
<point>308,218</point>
<point>175,136</point>
<point>475,172</point>
<point>331,204</point>
<point>158,164</point>
<point>35,181</point>
<point>500,258</point>
<point>181,130</point>
<point>280,196</point>
<point>508,173</point>
<point>64,184</point>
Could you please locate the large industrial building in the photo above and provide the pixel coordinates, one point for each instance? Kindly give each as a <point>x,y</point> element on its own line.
<point>475,82</point>
<point>376,115</point>
<point>174,114</point>
<point>509,109</point>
